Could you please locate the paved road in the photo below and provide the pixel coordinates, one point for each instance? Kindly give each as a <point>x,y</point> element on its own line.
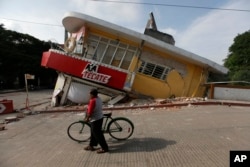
<point>34,97</point>
<point>199,136</point>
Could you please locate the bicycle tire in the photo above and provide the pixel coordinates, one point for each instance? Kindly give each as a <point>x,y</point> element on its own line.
<point>120,128</point>
<point>79,131</point>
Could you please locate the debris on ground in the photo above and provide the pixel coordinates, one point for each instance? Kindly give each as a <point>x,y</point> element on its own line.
<point>131,103</point>
<point>11,119</point>
<point>2,125</point>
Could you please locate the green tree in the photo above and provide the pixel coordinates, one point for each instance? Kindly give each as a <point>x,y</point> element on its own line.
<point>20,54</point>
<point>238,60</point>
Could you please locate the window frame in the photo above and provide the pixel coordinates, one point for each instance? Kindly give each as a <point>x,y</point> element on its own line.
<point>143,69</point>
<point>126,48</point>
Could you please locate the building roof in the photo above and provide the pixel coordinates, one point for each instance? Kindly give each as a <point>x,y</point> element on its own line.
<point>73,22</point>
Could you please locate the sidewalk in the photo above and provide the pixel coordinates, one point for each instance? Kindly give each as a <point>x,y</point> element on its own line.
<point>184,136</point>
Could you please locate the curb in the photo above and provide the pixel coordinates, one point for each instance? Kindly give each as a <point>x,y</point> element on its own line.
<point>155,106</point>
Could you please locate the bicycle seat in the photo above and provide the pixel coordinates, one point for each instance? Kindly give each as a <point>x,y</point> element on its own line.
<point>107,114</point>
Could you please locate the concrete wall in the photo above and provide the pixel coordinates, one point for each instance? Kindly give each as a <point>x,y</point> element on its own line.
<point>224,93</point>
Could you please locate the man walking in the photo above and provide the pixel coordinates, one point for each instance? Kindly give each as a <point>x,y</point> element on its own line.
<point>95,117</point>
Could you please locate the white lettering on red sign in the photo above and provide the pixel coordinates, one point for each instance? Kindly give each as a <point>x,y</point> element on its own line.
<point>90,73</point>
<point>2,108</point>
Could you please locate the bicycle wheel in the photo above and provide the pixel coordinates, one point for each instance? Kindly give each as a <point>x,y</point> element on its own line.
<point>79,131</point>
<point>120,128</point>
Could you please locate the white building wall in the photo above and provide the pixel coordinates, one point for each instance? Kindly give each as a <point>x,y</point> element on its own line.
<point>231,94</point>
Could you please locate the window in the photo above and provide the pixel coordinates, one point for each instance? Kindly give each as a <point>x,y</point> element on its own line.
<point>154,70</point>
<point>158,71</point>
<point>99,51</point>
<point>108,55</point>
<point>149,68</point>
<point>118,57</point>
<point>110,52</point>
<point>127,59</point>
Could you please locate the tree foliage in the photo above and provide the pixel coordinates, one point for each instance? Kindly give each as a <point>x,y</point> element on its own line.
<point>20,54</point>
<point>238,60</point>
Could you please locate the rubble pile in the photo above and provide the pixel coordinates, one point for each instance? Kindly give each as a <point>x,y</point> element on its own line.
<point>148,102</point>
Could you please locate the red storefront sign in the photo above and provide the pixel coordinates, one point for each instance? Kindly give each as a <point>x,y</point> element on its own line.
<point>84,69</point>
<point>6,106</point>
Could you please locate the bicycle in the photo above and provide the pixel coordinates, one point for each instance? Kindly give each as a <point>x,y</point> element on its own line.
<point>119,128</point>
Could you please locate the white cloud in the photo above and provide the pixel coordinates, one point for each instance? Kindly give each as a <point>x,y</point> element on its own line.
<point>26,16</point>
<point>42,32</point>
<point>119,13</point>
<point>211,35</point>
<point>11,25</point>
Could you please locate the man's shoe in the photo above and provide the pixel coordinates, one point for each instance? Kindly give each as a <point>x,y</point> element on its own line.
<point>89,148</point>
<point>100,151</point>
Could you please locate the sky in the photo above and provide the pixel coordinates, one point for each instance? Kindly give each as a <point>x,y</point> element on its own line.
<point>198,26</point>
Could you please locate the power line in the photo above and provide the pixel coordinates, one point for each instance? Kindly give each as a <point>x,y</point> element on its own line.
<point>172,5</point>
<point>137,3</point>
<point>45,24</point>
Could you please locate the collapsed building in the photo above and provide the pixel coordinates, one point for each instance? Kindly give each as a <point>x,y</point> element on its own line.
<point>120,62</point>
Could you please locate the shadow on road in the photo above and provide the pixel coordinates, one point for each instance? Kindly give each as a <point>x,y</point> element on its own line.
<point>140,145</point>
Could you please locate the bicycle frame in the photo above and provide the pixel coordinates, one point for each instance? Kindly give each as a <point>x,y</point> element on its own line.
<point>106,120</point>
